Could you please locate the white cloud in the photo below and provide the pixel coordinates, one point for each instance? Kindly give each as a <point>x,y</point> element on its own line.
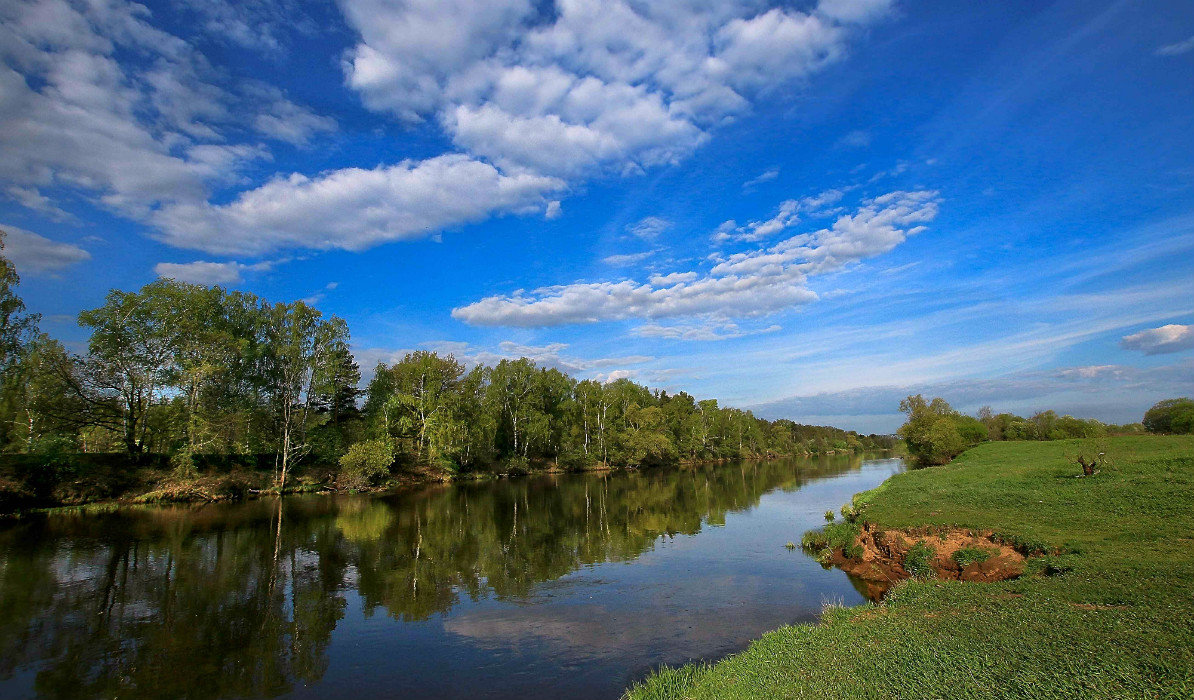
<point>286,121</point>
<point>31,198</point>
<point>94,98</point>
<point>553,210</point>
<point>608,85</point>
<point>260,25</point>
<point>856,139</point>
<point>627,259</point>
<point>208,273</point>
<point>97,99</point>
<point>748,284</point>
<point>354,209</point>
<point>554,355</point>
<point>765,176</point>
<point>854,10</point>
<point>1165,339</point>
<point>35,254</point>
<point>708,330</point>
<point>649,228</point>
<point>1177,49</point>
<point>788,215</point>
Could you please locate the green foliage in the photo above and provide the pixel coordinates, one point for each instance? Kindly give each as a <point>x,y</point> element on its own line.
<point>971,555</point>
<point>829,516</point>
<point>839,536</point>
<point>1171,416</point>
<point>934,432</point>
<point>366,462</point>
<point>919,560</point>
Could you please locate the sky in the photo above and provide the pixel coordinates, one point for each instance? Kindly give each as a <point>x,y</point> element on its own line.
<point>809,209</point>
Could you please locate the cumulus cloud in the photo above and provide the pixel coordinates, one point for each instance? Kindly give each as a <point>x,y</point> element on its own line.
<point>593,86</point>
<point>95,98</point>
<point>1157,341</point>
<point>353,209</point>
<point>98,98</point>
<point>36,254</point>
<point>747,284</point>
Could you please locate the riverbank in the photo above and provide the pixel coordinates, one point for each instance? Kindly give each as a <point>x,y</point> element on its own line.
<point>103,481</point>
<point>1102,611</point>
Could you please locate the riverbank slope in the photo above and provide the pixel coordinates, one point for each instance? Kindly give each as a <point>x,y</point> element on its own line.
<point>1105,614</point>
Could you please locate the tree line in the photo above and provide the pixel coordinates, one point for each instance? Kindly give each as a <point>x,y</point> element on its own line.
<point>203,376</point>
<point>935,433</point>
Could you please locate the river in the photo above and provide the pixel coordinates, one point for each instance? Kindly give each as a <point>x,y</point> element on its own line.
<point>538,587</point>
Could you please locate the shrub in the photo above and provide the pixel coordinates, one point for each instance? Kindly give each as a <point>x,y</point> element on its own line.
<point>517,465</point>
<point>366,462</point>
<point>829,516</point>
<point>919,560</point>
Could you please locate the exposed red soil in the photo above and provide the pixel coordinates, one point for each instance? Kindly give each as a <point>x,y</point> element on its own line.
<point>884,553</point>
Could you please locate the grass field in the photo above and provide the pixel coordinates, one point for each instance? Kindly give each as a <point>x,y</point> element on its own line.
<point>1115,619</point>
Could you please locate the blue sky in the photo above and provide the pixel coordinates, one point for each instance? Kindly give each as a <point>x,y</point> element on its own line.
<point>810,209</point>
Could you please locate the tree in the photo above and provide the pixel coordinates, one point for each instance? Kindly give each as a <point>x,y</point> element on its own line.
<point>16,326</point>
<point>1170,416</point>
<point>299,343</point>
<point>934,431</point>
<point>134,338</point>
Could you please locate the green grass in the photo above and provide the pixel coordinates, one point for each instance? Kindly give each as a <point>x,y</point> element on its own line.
<point>1106,612</point>
<point>919,560</point>
<point>971,555</point>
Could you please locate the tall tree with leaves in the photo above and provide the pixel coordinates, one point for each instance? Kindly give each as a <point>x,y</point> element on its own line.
<point>299,344</point>
<point>134,338</point>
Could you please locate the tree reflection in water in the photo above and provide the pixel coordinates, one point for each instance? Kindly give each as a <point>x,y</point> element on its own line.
<point>241,600</point>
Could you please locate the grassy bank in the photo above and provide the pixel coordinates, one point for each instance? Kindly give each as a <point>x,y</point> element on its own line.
<point>1113,620</point>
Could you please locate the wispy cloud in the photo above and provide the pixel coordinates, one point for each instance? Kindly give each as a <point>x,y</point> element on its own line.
<point>1176,49</point>
<point>765,176</point>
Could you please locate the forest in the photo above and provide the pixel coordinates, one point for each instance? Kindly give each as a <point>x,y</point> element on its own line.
<point>195,379</point>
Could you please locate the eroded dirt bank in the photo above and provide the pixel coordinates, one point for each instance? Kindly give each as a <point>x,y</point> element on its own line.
<point>883,558</point>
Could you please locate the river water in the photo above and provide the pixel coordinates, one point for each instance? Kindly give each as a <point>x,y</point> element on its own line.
<point>539,587</point>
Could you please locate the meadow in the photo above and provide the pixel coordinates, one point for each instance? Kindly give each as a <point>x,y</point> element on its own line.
<point>1105,612</point>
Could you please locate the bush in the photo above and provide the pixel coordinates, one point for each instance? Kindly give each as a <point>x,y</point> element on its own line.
<point>366,462</point>
<point>517,466</point>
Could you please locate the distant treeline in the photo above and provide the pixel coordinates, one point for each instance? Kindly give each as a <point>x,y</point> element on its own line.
<point>202,375</point>
<point>935,433</point>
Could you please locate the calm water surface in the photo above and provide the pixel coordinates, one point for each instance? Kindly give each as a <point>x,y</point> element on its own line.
<point>542,587</point>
